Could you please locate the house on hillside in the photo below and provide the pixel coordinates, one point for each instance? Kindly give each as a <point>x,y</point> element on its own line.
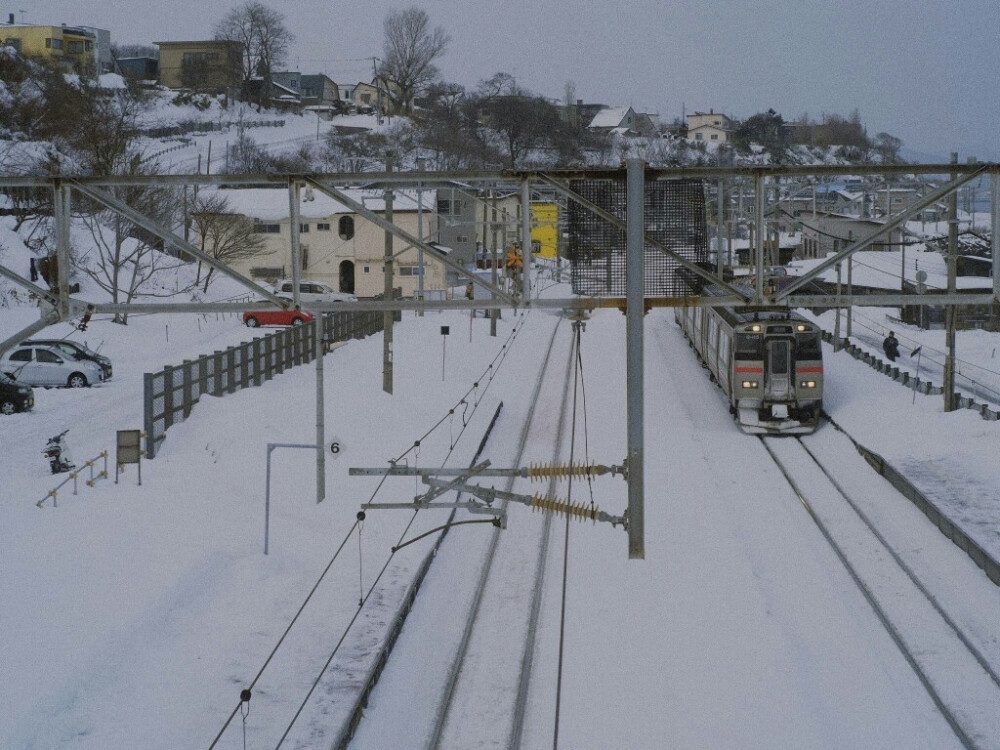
<point>709,127</point>
<point>210,65</point>
<point>319,90</point>
<point>338,246</point>
<point>580,115</point>
<point>614,120</point>
<point>79,49</point>
<point>139,68</point>
<point>375,96</point>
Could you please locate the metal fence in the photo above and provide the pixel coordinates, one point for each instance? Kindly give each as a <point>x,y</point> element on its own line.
<point>170,394</point>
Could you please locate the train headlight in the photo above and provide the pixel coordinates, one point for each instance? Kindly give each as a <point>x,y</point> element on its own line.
<point>800,328</point>
<point>749,383</point>
<point>755,328</point>
<point>808,384</point>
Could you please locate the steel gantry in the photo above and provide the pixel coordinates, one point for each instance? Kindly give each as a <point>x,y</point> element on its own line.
<point>59,305</point>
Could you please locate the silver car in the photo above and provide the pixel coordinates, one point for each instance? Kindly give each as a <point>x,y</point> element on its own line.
<point>48,366</point>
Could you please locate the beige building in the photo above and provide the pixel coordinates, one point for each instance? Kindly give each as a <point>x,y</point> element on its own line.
<point>206,65</point>
<point>827,233</point>
<point>339,247</point>
<point>709,127</point>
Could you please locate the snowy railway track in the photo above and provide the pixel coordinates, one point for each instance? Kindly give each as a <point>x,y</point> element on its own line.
<point>470,669</point>
<point>960,675</point>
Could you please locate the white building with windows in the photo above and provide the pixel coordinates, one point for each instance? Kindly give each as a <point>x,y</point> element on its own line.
<point>338,246</point>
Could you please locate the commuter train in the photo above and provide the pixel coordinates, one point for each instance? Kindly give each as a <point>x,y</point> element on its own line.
<point>768,362</point>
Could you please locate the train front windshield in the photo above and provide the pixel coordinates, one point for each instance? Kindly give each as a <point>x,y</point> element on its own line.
<point>807,346</point>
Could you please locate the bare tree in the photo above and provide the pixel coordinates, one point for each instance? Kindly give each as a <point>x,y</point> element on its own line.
<point>126,260</point>
<point>410,48</point>
<point>264,39</point>
<point>224,235</point>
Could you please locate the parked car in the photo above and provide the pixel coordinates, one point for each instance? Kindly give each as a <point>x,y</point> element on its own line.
<point>313,291</point>
<point>256,318</point>
<point>31,364</point>
<point>78,350</point>
<point>14,396</point>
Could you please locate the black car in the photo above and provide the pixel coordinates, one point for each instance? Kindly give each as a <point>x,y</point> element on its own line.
<point>78,351</point>
<point>14,396</point>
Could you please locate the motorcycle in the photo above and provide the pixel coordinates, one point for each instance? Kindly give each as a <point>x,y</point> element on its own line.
<point>57,452</point>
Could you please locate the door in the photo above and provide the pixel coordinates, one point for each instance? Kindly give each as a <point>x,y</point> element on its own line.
<point>50,368</point>
<point>779,376</point>
<point>347,276</point>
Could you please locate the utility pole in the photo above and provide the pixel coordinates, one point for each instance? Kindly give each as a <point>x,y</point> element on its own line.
<point>378,96</point>
<point>719,224</point>
<point>387,316</point>
<point>952,310</point>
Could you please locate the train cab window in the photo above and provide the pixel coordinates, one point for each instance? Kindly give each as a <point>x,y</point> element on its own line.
<point>749,346</point>
<point>807,346</point>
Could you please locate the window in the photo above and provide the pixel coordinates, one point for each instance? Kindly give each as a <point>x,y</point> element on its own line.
<point>44,355</point>
<point>368,269</point>
<point>715,136</point>
<point>698,136</point>
<point>48,44</point>
<point>366,98</point>
<point>409,270</point>
<point>261,228</point>
<point>305,256</point>
<point>807,346</point>
<point>57,44</point>
<point>15,43</point>
<point>749,346</point>
<point>303,228</point>
<point>444,206</point>
<point>462,238</point>
<point>322,227</point>
<point>345,227</point>
<point>75,48</point>
<point>21,355</point>
<point>88,45</point>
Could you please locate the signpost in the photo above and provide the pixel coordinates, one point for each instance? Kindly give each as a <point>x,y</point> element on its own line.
<point>445,330</point>
<point>129,451</point>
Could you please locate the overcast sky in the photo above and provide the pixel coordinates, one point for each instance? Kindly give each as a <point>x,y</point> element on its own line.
<point>927,71</point>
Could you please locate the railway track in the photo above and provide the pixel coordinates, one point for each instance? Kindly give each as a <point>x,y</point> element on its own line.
<point>480,673</point>
<point>952,655</point>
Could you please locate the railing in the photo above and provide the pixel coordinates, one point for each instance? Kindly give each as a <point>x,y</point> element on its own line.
<point>170,394</point>
<point>74,475</point>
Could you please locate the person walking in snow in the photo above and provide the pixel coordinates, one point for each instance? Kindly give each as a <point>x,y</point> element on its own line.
<point>891,346</point>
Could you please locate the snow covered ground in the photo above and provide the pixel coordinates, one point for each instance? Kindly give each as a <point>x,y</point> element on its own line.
<point>132,616</point>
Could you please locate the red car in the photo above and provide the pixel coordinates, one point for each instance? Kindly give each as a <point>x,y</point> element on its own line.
<point>276,318</point>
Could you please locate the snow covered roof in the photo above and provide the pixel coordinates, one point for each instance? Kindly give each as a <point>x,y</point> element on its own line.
<point>610,118</point>
<point>272,204</point>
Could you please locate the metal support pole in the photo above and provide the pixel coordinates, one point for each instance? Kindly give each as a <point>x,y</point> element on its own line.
<point>420,235</point>
<point>62,213</point>
<point>294,211</point>
<point>318,322</point>
<point>760,196</point>
<point>267,487</point>
<point>526,241</point>
<point>995,231</point>
<point>494,313</point>
<point>850,291</point>
<point>951,312</point>
<point>718,227</point>
<point>836,323</point>
<point>387,316</point>
<point>635,296</point>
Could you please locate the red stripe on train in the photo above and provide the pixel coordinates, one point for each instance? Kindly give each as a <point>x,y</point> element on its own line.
<point>809,369</point>
<point>748,369</point>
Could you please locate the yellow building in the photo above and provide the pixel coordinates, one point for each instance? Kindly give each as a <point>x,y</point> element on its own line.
<point>545,230</point>
<point>72,48</point>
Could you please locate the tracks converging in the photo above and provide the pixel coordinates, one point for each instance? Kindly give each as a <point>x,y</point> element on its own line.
<point>953,669</point>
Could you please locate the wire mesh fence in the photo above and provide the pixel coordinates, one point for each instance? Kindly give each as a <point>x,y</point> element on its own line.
<point>673,215</point>
<point>170,394</point>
